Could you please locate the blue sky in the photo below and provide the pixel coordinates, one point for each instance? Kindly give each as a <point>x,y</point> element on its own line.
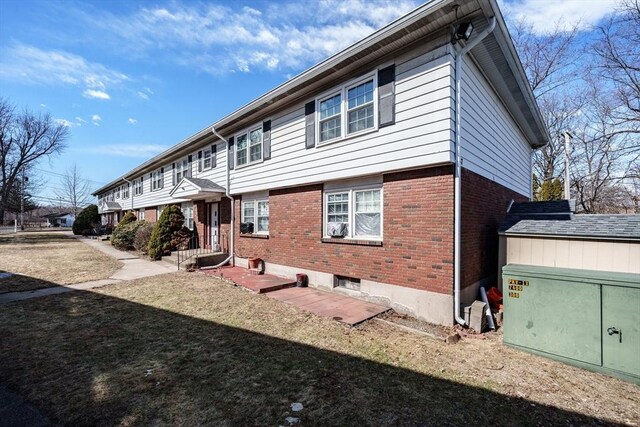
<point>130,79</point>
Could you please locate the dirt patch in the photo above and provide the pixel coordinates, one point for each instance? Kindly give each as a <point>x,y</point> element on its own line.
<point>189,349</point>
<point>42,260</point>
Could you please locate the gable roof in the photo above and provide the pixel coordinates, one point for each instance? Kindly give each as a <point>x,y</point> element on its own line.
<point>496,54</point>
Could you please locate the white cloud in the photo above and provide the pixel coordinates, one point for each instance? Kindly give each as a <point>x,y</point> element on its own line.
<point>546,15</point>
<point>218,39</point>
<point>29,64</point>
<point>143,95</point>
<point>129,150</point>
<point>81,120</point>
<point>43,106</point>
<point>132,121</point>
<point>96,119</point>
<point>65,123</point>
<point>98,94</point>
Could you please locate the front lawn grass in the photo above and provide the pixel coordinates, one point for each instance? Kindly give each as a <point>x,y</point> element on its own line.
<point>41,260</point>
<point>188,349</point>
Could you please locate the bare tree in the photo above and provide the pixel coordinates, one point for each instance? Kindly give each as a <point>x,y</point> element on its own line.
<point>618,49</point>
<point>25,138</point>
<point>552,69</point>
<point>603,157</point>
<point>76,191</point>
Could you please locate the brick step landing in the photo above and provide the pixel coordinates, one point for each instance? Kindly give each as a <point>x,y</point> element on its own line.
<point>258,283</point>
<point>328,304</point>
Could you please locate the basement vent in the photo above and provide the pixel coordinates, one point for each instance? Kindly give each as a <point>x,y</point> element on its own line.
<point>346,282</point>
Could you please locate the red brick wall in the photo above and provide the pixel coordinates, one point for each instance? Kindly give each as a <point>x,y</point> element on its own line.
<point>417,250</point>
<point>200,223</point>
<point>484,207</point>
<point>150,214</point>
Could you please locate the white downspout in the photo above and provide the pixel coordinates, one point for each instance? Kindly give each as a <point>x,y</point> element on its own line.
<point>231,237</point>
<point>458,170</point>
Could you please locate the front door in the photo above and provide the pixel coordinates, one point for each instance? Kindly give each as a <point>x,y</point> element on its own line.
<point>215,226</point>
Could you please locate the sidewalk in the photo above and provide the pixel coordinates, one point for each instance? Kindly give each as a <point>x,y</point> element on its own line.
<point>133,268</point>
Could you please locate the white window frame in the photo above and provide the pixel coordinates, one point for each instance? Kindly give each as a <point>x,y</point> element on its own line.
<point>138,187</point>
<point>181,170</point>
<point>254,219</point>
<point>157,180</point>
<point>351,212</point>
<point>187,211</point>
<point>117,195</point>
<point>141,212</point>
<point>125,191</point>
<point>201,165</point>
<point>344,109</point>
<point>247,132</point>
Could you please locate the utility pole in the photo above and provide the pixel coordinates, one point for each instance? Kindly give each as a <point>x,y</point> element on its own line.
<point>567,148</point>
<point>22,201</point>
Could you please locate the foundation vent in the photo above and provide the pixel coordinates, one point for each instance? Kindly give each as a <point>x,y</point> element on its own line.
<point>345,282</point>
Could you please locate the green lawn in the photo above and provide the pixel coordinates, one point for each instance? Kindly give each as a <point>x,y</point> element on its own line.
<point>187,349</point>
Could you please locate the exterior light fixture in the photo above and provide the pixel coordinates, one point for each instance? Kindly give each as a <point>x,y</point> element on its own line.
<point>464,30</point>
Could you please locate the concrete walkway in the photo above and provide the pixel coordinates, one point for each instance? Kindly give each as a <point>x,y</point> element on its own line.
<point>133,268</point>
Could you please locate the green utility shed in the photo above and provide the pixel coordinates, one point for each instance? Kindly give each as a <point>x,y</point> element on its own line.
<point>571,288</point>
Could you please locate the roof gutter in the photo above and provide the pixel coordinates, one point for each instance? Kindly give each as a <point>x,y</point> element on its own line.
<point>297,82</point>
<point>458,169</point>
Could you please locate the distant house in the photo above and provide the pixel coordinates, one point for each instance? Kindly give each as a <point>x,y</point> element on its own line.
<point>382,172</point>
<point>60,220</point>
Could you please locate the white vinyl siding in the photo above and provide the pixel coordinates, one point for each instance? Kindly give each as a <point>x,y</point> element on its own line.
<point>492,144</point>
<point>422,134</point>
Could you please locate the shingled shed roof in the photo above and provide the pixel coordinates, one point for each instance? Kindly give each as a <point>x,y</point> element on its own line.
<point>625,227</point>
<point>559,210</point>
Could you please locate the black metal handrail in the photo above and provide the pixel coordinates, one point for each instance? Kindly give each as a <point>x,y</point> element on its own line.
<point>190,248</point>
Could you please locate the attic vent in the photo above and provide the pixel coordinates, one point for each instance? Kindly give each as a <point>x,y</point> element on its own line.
<point>346,282</point>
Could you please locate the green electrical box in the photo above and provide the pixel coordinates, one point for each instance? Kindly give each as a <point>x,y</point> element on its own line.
<point>586,318</point>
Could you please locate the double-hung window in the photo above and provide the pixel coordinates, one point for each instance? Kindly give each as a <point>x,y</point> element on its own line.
<point>187,211</point>
<point>256,212</point>
<point>331,118</point>
<point>357,212</point>
<point>137,187</point>
<point>182,170</point>
<point>205,160</point>
<point>348,111</point>
<point>249,147</point>
<point>118,193</point>
<point>125,191</point>
<point>157,180</point>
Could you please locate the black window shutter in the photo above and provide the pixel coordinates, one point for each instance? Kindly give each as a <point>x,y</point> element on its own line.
<point>230,154</point>
<point>386,96</point>
<point>266,140</point>
<point>173,173</point>
<point>214,149</point>
<point>200,161</point>
<point>310,124</point>
<point>141,184</point>
<point>190,161</point>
